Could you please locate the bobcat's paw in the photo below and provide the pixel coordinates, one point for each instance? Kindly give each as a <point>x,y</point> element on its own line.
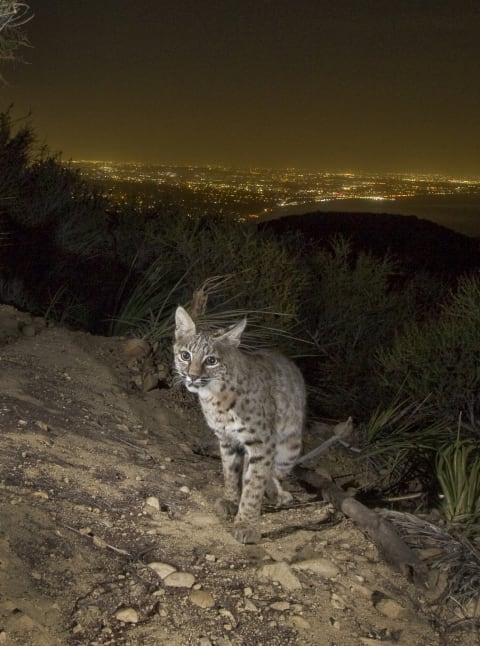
<point>284,498</point>
<point>246,533</point>
<point>225,508</point>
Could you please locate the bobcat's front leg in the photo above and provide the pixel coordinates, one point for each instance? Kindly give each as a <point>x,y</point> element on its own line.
<point>245,528</point>
<point>232,463</point>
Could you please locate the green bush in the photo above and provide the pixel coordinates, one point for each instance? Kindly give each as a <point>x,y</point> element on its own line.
<point>352,312</point>
<point>439,360</point>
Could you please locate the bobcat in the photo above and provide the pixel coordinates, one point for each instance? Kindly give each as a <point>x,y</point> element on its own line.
<point>255,405</point>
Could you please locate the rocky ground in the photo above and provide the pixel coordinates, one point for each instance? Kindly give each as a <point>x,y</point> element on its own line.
<point>108,535</point>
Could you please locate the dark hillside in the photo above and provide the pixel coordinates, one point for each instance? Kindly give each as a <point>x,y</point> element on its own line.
<point>421,245</point>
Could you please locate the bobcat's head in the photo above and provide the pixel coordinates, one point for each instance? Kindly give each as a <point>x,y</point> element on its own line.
<point>202,357</point>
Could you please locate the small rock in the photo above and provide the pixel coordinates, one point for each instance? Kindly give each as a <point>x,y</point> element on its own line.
<point>335,623</point>
<point>223,612</point>
<point>180,580</point>
<point>204,641</point>
<point>184,489</point>
<point>153,502</point>
<point>250,606</point>
<point>299,622</point>
<point>211,558</point>
<point>280,572</point>
<point>149,382</point>
<point>162,569</point>
<point>247,592</point>
<point>43,495</point>
<point>281,606</point>
<point>337,602</point>
<point>320,566</point>
<point>202,598</point>
<point>42,426</point>
<point>3,636</point>
<point>391,609</point>
<point>127,615</point>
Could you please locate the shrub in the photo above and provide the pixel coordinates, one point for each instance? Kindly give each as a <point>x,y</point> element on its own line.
<point>352,312</point>
<point>438,360</point>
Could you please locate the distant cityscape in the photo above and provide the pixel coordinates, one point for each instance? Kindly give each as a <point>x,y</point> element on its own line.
<point>258,193</point>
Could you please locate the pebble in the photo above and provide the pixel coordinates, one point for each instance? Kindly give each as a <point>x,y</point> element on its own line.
<point>320,566</point>
<point>127,615</point>
<point>202,598</point>
<point>211,558</point>
<point>180,580</point>
<point>162,569</point>
<point>299,622</point>
<point>337,602</point>
<point>184,489</point>
<point>391,609</point>
<point>154,502</point>
<point>250,606</point>
<point>150,382</point>
<point>223,612</point>
<point>280,572</point>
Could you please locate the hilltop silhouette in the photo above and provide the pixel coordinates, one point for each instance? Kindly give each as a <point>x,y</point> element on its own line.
<point>420,245</point>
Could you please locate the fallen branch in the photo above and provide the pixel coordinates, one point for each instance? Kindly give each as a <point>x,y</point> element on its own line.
<point>341,432</point>
<point>392,548</point>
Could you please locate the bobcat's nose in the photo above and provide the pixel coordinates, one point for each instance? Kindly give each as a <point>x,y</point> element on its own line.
<point>193,382</point>
<point>194,371</point>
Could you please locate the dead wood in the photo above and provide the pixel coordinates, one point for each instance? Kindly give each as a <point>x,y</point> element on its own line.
<point>382,533</point>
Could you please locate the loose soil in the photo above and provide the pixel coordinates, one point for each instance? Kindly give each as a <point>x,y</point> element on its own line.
<point>108,533</point>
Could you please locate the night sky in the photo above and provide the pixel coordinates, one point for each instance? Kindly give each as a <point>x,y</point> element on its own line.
<point>359,85</point>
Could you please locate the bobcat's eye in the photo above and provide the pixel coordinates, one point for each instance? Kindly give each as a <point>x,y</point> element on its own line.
<point>210,360</point>
<point>185,355</point>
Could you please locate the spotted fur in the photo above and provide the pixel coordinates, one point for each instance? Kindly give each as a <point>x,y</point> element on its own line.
<point>255,405</point>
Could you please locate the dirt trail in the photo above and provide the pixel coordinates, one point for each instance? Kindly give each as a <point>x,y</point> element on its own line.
<point>107,530</point>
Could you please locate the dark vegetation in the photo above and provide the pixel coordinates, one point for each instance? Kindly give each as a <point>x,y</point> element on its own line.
<point>382,312</point>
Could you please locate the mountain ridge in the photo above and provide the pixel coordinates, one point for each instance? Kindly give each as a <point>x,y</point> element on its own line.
<point>420,244</point>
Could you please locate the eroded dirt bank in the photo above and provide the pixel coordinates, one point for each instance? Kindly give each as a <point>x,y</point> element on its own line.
<point>107,530</point>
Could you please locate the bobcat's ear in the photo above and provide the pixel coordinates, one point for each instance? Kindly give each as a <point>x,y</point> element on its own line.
<point>233,335</point>
<point>184,325</point>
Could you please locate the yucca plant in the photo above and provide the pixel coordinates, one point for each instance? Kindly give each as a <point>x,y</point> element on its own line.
<point>401,440</point>
<point>458,473</point>
<point>146,310</point>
